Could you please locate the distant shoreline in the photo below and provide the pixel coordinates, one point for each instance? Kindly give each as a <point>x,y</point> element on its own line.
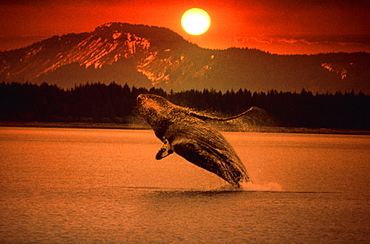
<point>84,125</point>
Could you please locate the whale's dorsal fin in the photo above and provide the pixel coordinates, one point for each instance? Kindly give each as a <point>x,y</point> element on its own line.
<point>206,117</point>
<point>164,151</point>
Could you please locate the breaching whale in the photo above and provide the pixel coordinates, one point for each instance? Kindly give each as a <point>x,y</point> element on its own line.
<point>186,133</point>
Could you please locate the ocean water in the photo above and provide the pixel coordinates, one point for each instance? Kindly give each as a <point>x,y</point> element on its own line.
<point>104,186</point>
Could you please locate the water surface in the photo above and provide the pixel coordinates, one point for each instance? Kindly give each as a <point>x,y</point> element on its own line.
<point>104,186</point>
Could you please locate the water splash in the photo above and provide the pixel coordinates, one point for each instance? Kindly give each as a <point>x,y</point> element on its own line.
<point>265,186</point>
<point>250,186</point>
<point>254,121</point>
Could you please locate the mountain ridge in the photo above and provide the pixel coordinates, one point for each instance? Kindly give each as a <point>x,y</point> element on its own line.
<point>149,56</point>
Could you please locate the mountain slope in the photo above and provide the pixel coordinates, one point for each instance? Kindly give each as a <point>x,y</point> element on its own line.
<point>152,56</point>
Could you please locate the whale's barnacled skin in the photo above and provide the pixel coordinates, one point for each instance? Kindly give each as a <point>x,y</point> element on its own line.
<point>185,132</point>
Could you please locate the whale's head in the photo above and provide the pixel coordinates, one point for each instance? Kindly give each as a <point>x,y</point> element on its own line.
<point>156,110</point>
<point>153,106</point>
<point>161,113</point>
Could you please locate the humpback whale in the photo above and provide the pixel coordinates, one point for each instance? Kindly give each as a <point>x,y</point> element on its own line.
<point>187,133</point>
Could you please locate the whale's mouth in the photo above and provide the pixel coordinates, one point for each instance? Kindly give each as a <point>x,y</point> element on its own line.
<point>144,102</point>
<point>140,98</point>
<point>139,105</point>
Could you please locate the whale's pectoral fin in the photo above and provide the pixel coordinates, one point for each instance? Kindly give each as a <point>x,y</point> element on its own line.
<point>164,151</point>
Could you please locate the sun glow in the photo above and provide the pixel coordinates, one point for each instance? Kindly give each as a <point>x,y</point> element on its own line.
<point>195,21</point>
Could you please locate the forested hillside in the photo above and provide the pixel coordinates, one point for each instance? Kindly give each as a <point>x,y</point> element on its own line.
<point>116,103</point>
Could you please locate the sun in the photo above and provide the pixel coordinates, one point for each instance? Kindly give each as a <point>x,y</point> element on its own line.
<point>195,21</point>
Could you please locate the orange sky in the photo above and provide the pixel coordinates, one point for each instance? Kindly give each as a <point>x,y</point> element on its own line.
<point>283,27</point>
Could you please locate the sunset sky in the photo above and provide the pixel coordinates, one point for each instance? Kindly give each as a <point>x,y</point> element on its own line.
<point>275,26</point>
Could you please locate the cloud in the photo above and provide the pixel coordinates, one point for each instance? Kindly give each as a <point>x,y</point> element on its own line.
<point>15,42</point>
<point>309,44</point>
<point>308,39</point>
<point>53,2</point>
<point>25,2</point>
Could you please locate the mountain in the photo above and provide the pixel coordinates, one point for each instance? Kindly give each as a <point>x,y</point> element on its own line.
<point>147,56</point>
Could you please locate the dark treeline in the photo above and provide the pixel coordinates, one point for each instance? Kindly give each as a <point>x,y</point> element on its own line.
<point>116,103</point>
